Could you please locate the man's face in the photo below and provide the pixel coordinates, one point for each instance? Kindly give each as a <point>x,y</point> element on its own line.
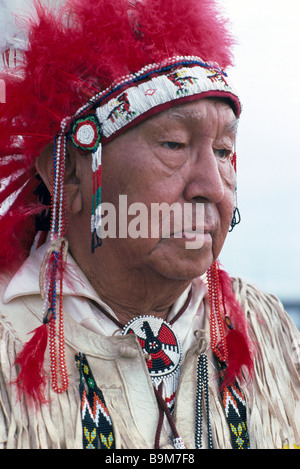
<point>181,156</point>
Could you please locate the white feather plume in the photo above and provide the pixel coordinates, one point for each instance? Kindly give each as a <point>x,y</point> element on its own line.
<point>12,36</point>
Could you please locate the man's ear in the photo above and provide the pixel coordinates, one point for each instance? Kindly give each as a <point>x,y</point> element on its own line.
<point>43,165</point>
<point>72,174</point>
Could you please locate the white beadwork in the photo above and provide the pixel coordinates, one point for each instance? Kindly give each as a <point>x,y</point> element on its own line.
<point>187,81</point>
<point>85,134</point>
<point>171,352</point>
<point>129,79</point>
<point>97,158</point>
<point>178,443</point>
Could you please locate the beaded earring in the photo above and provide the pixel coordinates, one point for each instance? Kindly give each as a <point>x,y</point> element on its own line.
<point>236,217</point>
<point>217,327</point>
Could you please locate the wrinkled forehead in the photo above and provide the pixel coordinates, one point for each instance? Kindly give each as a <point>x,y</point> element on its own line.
<point>197,110</point>
<point>195,115</point>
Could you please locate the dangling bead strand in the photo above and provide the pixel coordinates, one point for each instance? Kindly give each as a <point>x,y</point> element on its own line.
<point>202,393</point>
<point>217,329</point>
<point>57,353</point>
<point>57,258</point>
<point>96,204</point>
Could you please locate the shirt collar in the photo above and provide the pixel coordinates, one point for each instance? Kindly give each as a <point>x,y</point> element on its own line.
<point>26,280</point>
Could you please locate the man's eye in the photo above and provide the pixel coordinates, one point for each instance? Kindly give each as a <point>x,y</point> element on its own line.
<point>223,154</point>
<point>172,145</point>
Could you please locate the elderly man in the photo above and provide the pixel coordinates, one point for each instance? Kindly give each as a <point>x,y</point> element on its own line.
<point>139,338</point>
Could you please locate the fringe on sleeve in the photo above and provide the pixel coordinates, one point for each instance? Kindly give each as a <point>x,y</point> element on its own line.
<point>274,396</point>
<point>21,425</point>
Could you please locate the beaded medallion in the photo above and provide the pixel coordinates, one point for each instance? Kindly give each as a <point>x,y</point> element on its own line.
<point>160,345</point>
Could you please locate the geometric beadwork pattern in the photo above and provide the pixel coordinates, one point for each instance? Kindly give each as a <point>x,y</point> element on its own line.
<point>97,426</point>
<point>97,430</point>
<point>159,343</point>
<point>202,396</point>
<point>236,414</point>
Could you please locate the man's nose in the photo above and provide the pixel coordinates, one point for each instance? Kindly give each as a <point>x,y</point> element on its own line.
<point>205,183</point>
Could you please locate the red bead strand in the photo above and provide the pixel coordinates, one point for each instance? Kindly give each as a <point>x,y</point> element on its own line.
<point>59,374</point>
<point>217,328</point>
<point>57,351</point>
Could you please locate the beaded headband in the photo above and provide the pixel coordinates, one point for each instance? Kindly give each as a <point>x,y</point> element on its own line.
<point>139,95</point>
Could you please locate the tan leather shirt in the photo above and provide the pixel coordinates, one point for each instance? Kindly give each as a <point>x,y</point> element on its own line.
<point>119,368</point>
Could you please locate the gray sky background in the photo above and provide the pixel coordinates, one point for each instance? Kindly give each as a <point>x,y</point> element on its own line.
<point>264,248</point>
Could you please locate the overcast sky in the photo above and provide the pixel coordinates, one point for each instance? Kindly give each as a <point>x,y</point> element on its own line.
<point>264,248</point>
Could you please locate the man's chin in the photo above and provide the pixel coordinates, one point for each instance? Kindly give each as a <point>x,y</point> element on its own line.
<point>175,263</point>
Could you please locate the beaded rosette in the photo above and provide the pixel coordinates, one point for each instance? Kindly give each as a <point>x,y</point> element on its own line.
<point>161,347</point>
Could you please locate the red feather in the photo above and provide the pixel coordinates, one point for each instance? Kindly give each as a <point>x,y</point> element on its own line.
<point>239,356</point>
<point>78,49</point>
<point>31,379</point>
<point>240,347</point>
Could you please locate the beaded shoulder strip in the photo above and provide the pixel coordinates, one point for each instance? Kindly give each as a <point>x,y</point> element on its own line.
<point>234,405</point>
<point>97,429</point>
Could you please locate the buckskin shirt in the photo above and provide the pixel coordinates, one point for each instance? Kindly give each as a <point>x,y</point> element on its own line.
<point>119,368</point>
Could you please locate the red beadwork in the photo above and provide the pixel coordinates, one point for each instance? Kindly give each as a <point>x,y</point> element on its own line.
<point>217,329</point>
<point>59,376</point>
<point>93,139</point>
<point>159,343</point>
<point>233,161</point>
<point>57,357</point>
